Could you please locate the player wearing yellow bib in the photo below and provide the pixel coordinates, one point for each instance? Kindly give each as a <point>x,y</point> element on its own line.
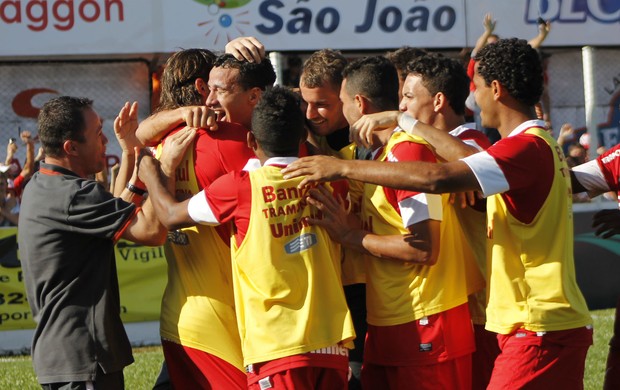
<point>329,132</point>
<point>418,322</point>
<point>434,92</point>
<point>200,339</point>
<point>293,320</point>
<point>534,302</point>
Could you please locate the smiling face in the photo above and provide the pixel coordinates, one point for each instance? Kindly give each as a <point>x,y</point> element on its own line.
<point>417,101</point>
<point>324,110</point>
<point>228,97</point>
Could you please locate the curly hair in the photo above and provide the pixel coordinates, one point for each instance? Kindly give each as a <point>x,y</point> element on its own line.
<point>445,75</point>
<point>516,66</point>
<point>278,123</point>
<point>182,70</point>
<point>323,66</point>
<point>403,56</point>
<point>374,77</point>
<point>251,74</point>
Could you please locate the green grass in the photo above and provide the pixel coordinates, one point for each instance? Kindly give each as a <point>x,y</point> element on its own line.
<point>16,371</point>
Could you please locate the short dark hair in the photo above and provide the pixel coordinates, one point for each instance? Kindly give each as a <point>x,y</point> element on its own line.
<point>62,119</point>
<point>278,123</point>
<point>445,75</point>
<point>376,79</point>
<point>403,56</point>
<point>182,70</point>
<point>323,66</point>
<point>517,67</point>
<point>251,74</point>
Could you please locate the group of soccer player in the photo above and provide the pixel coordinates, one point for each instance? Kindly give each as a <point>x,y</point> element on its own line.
<point>358,232</point>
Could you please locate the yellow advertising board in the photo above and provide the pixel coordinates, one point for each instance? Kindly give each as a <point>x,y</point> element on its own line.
<point>141,276</point>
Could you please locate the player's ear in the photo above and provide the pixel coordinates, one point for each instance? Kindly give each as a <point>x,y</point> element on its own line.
<point>255,94</point>
<point>251,140</point>
<point>201,87</point>
<point>363,104</point>
<point>439,101</point>
<point>497,89</point>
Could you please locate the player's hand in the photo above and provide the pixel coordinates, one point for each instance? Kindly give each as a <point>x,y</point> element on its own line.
<point>125,126</point>
<point>147,167</point>
<point>335,218</point>
<point>607,223</point>
<point>316,169</point>
<point>361,131</point>
<point>246,49</point>
<point>174,149</point>
<point>199,117</point>
<point>463,199</point>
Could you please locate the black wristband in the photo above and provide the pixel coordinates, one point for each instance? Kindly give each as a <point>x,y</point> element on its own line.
<point>135,190</point>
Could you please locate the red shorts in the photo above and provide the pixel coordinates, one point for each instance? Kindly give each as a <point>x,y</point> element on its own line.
<point>551,360</point>
<point>433,339</point>
<point>483,359</point>
<point>451,374</point>
<point>434,351</point>
<point>324,370</point>
<point>190,368</point>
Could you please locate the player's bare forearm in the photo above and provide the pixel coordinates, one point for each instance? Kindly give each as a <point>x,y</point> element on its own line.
<point>446,146</point>
<point>413,176</point>
<point>155,127</point>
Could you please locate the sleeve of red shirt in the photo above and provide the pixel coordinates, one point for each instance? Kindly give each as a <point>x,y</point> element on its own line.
<point>222,196</point>
<point>410,151</point>
<point>609,162</point>
<point>476,136</point>
<point>525,160</point>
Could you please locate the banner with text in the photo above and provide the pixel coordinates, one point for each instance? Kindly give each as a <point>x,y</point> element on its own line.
<point>83,27</point>
<point>141,274</point>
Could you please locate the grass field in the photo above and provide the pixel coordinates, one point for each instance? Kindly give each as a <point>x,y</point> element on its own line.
<point>16,371</point>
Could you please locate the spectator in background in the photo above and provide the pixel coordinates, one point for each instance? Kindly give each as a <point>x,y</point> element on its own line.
<point>576,155</point>
<point>292,73</point>
<point>545,99</point>
<point>486,38</point>
<point>9,205</point>
<point>17,176</point>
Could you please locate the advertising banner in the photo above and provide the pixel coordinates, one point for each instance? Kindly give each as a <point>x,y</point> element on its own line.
<point>141,274</point>
<point>87,27</point>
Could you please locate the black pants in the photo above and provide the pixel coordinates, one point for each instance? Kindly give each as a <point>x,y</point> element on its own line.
<point>111,381</point>
<point>355,295</point>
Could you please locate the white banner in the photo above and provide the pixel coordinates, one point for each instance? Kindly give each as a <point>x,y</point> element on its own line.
<point>86,27</point>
